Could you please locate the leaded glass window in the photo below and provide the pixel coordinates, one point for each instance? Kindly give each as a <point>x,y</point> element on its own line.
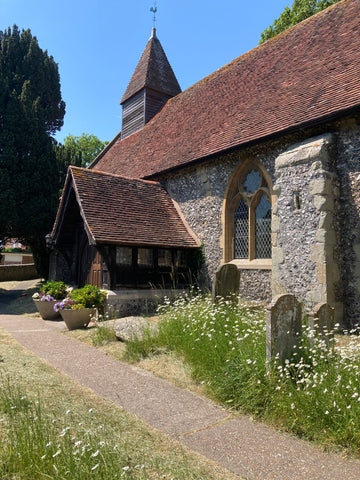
<point>241,230</point>
<point>252,217</point>
<point>263,228</point>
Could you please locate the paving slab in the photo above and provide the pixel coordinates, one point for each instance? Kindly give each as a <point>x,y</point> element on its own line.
<point>249,449</point>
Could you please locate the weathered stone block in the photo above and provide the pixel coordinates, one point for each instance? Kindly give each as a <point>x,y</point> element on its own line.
<point>321,273</point>
<point>130,328</point>
<point>318,253</point>
<point>333,272</point>
<point>317,294</point>
<point>275,224</point>
<point>321,186</point>
<point>324,203</point>
<point>274,239</point>
<point>277,287</point>
<point>320,235</point>
<point>277,255</point>
<point>305,152</point>
<point>326,221</point>
<point>317,186</point>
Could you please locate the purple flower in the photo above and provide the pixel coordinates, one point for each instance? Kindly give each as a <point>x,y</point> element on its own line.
<point>64,304</point>
<point>46,298</point>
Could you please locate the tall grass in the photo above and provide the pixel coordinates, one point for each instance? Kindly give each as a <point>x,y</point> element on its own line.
<point>84,443</point>
<point>40,446</point>
<point>316,394</point>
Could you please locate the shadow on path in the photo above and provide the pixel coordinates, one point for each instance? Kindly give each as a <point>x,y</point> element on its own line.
<point>20,290</point>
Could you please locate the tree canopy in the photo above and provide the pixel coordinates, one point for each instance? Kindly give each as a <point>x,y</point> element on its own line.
<point>300,10</point>
<point>87,146</point>
<point>31,110</point>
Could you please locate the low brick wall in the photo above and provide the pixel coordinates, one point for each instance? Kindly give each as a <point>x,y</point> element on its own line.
<point>17,272</point>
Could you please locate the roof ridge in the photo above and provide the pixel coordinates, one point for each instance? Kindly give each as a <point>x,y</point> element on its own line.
<point>124,177</point>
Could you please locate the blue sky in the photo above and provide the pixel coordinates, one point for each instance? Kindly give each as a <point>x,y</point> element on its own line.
<point>97,44</point>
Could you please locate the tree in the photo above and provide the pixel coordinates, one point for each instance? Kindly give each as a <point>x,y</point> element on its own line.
<point>31,110</point>
<point>300,10</point>
<point>87,146</point>
<point>65,157</point>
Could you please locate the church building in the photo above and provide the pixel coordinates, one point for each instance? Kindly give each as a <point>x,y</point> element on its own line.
<point>257,165</point>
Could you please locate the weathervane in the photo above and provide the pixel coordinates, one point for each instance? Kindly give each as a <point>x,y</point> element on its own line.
<point>154,10</point>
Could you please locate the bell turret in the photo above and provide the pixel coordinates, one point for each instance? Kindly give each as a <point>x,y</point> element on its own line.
<point>153,83</point>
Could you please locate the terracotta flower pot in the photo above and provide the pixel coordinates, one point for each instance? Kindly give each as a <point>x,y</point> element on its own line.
<point>77,318</point>
<point>46,309</point>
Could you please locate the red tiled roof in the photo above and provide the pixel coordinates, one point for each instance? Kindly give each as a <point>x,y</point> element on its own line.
<point>126,211</point>
<point>153,71</point>
<point>308,73</point>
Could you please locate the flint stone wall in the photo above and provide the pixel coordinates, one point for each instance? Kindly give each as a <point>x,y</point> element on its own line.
<point>348,171</point>
<point>304,227</point>
<point>200,193</point>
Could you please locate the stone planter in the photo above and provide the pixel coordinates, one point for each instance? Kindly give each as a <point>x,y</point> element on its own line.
<point>77,318</point>
<point>46,309</point>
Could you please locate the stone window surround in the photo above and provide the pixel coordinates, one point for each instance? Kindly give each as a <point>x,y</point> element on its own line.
<point>227,240</point>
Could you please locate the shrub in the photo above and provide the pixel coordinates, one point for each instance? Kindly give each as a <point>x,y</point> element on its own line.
<point>89,296</point>
<point>57,290</point>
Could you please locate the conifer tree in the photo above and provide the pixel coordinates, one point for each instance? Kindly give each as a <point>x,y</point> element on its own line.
<point>31,111</point>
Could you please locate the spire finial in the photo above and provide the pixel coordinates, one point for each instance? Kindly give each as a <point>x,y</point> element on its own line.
<point>154,10</point>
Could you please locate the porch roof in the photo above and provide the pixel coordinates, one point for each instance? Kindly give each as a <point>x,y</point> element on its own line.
<point>124,211</point>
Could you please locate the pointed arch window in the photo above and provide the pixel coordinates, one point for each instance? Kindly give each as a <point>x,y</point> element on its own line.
<point>250,216</point>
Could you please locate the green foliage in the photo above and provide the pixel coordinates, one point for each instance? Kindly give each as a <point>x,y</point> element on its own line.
<point>89,296</point>
<point>300,10</point>
<point>86,148</point>
<point>103,334</point>
<point>316,394</point>
<point>58,290</point>
<point>64,158</point>
<point>16,250</point>
<point>31,111</point>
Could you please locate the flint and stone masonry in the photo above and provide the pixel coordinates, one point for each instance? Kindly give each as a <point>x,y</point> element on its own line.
<point>304,231</point>
<point>315,217</point>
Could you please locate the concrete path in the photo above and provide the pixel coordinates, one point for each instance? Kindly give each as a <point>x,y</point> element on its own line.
<point>251,450</point>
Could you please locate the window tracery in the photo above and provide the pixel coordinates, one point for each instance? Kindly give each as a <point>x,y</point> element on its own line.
<point>249,215</point>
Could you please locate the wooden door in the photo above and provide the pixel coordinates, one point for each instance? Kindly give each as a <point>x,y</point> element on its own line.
<point>95,270</point>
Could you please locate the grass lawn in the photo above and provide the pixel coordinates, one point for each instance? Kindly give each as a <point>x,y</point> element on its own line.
<point>50,427</point>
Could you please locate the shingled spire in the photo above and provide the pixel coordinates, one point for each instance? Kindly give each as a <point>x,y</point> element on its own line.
<point>152,84</point>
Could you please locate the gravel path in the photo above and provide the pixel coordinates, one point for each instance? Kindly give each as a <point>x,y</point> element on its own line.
<point>249,449</point>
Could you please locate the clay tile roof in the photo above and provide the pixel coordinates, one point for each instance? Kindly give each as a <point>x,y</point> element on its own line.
<point>153,71</point>
<point>126,211</point>
<point>305,75</point>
